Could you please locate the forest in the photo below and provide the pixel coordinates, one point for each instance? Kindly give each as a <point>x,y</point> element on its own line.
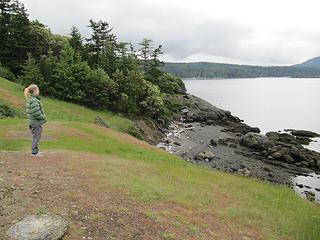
<point>223,70</point>
<point>99,71</point>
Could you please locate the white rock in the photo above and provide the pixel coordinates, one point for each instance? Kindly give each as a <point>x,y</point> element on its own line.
<point>38,227</point>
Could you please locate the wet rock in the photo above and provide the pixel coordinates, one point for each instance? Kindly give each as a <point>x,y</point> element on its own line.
<point>38,227</point>
<point>280,137</point>
<point>185,111</point>
<point>310,196</point>
<point>222,141</point>
<point>303,140</point>
<point>244,171</point>
<point>232,145</point>
<point>244,129</point>
<point>287,158</point>
<point>199,156</point>
<point>267,169</point>
<point>256,141</point>
<point>296,153</point>
<point>208,154</point>
<point>213,142</point>
<point>210,122</point>
<point>318,163</point>
<point>270,157</point>
<point>303,133</point>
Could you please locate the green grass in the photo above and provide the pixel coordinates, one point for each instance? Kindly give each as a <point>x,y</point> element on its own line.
<point>59,110</point>
<point>151,175</point>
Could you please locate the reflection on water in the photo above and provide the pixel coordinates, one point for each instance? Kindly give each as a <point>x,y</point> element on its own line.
<point>314,145</point>
<point>271,104</point>
<point>308,185</point>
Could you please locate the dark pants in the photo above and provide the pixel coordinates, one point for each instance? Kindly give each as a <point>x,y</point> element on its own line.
<point>36,134</point>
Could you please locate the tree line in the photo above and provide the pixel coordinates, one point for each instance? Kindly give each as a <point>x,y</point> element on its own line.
<point>100,71</point>
<point>221,70</point>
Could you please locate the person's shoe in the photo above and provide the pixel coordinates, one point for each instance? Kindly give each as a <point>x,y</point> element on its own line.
<point>39,154</point>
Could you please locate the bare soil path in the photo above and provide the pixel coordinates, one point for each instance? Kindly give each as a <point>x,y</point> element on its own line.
<point>31,185</point>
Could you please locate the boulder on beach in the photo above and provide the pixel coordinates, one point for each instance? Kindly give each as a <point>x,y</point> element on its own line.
<point>38,227</point>
<point>310,195</point>
<point>244,129</point>
<point>213,142</point>
<point>256,141</point>
<point>206,155</point>
<point>302,133</point>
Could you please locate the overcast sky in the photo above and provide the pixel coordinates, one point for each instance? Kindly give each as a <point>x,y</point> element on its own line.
<point>260,32</point>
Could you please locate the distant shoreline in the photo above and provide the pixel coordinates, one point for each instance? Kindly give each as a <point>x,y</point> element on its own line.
<point>225,70</point>
<point>220,78</point>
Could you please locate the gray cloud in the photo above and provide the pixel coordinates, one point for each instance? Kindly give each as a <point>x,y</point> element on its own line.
<point>185,34</point>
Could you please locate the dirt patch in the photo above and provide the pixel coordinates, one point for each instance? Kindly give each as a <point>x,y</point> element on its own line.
<point>8,97</point>
<point>150,131</point>
<point>29,185</point>
<point>55,127</point>
<point>26,135</point>
<point>123,137</point>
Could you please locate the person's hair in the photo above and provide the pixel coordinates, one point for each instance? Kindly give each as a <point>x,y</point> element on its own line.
<point>30,89</point>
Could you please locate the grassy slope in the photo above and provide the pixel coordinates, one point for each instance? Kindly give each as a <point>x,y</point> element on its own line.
<point>151,175</point>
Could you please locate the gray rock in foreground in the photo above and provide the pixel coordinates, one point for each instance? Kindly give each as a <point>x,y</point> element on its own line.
<point>38,227</point>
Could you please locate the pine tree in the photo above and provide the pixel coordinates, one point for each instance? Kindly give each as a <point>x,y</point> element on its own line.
<point>145,53</point>
<point>149,60</point>
<point>69,76</point>
<point>31,74</point>
<point>14,34</point>
<point>127,58</point>
<point>76,40</point>
<point>5,15</point>
<point>102,46</point>
<point>19,39</point>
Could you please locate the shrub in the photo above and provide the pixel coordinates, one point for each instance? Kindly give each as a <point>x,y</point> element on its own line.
<point>31,74</point>
<point>169,83</point>
<point>6,111</point>
<point>6,73</point>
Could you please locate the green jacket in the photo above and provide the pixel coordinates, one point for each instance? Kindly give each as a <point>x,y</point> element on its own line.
<point>35,112</point>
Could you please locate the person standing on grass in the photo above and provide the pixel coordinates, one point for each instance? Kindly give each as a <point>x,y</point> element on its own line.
<point>36,117</point>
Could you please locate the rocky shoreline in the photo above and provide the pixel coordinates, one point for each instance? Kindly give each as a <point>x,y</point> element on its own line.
<point>206,135</point>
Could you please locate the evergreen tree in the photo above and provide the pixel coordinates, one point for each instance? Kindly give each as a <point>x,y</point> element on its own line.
<point>107,58</point>
<point>31,74</point>
<point>40,38</point>
<point>100,90</point>
<point>48,65</point>
<point>5,15</point>
<point>19,37</point>
<point>145,53</point>
<point>127,59</point>
<point>154,72</point>
<point>69,76</point>
<point>149,60</point>
<point>101,45</point>
<point>76,40</point>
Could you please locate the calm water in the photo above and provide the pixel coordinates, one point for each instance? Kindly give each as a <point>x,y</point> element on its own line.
<point>271,104</point>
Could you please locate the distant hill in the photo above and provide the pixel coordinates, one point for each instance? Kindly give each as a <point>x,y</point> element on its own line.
<point>310,68</point>
<point>311,63</point>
